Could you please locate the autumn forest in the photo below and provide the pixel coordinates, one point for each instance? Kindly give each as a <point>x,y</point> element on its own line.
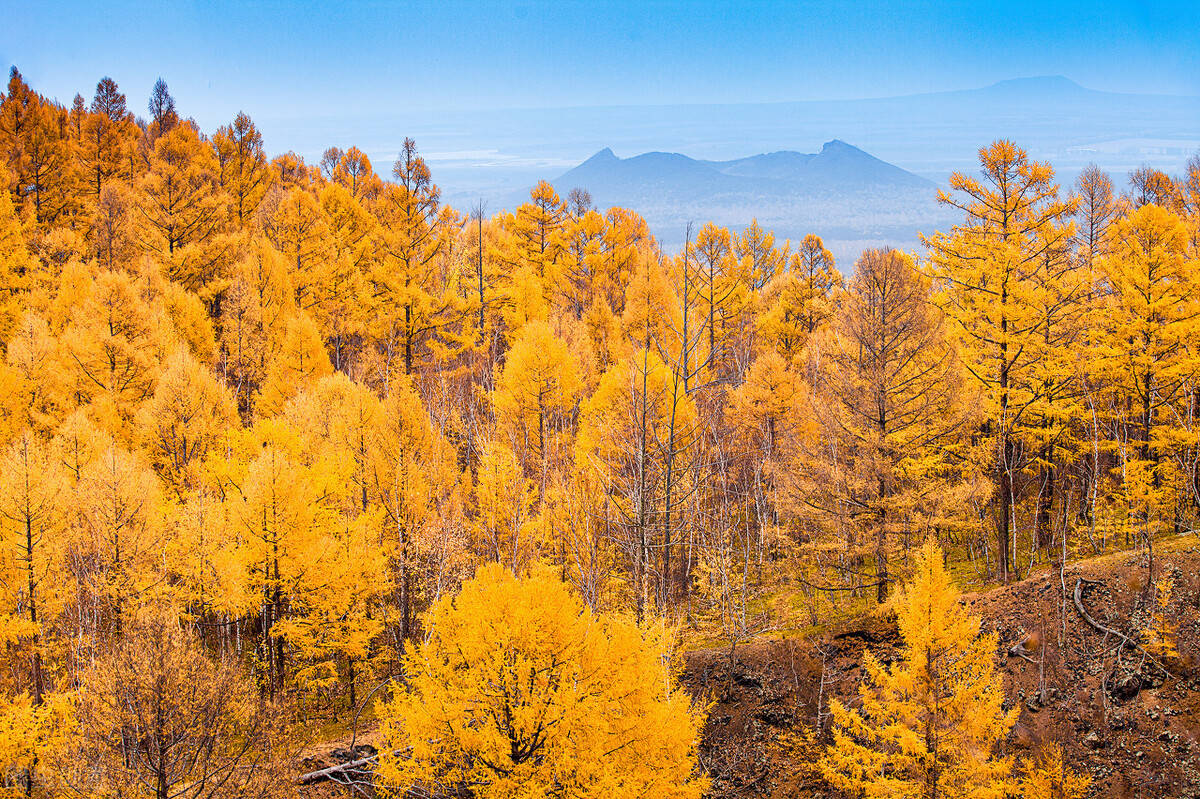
<point>293,450</point>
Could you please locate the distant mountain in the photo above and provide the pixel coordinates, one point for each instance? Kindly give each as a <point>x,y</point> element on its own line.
<point>838,168</point>
<point>491,153</point>
<point>656,175</point>
<point>841,192</point>
<point>1042,87</point>
<point>783,164</point>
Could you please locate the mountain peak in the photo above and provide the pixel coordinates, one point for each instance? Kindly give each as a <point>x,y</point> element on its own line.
<point>1044,84</point>
<point>835,145</point>
<point>657,178</point>
<point>603,156</point>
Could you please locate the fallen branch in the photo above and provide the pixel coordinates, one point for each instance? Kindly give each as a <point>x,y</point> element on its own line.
<point>333,772</point>
<point>345,773</point>
<point>1097,626</point>
<point>831,588</point>
<point>361,706</point>
<point>1018,650</point>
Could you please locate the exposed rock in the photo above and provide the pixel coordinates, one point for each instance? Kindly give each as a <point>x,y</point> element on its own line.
<point>1123,686</point>
<point>357,753</point>
<point>748,681</point>
<point>1021,737</point>
<point>775,717</point>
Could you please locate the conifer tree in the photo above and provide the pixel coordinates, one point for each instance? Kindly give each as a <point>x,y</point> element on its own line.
<point>1049,777</point>
<point>415,296</point>
<point>181,212</point>
<point>33,502</point>
<point>927,726</point>
<point>819,279</point>
<point>537,392</point>
<point>521,691</point>
<point>242,165</point>
<point>886,398</point>
<point>1150,318</point>
<point>157,717</point>
<point>987,276</point>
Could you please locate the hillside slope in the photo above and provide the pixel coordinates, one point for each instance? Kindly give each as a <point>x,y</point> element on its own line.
<point>1133,729</point>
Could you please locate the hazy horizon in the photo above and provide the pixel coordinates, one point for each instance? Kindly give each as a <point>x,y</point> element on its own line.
<point>498,97</point>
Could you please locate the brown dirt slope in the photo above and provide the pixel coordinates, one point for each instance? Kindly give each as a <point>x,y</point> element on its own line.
<point>1133,727</point>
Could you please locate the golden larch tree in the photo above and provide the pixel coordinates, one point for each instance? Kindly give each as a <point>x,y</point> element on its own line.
<point>986,275</point>
<point>927,726</point>
<point>521,691</point>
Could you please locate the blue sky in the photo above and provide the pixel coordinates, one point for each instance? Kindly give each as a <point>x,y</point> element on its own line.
<point>308,59</point>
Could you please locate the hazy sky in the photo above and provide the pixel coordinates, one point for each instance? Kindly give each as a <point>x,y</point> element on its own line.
<point>309,59</point>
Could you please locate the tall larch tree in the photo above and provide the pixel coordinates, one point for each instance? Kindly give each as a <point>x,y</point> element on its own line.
<point>622,445</point>
<point>415,301</point>
<point>184,419</point>
<point>986,279</point>
<point>180,211</point>
<point>108,137</point>
<point>1152,316</point>
<point>715,287</point>
<point>1097,210</point>
<point>119,537</point>
<point>242,165</point>
<point>537,393</point>
<point>815,268</point>
<point>888,403</point>
<point>294,222</point>
<point>415,477</point>
<point>33,517</point>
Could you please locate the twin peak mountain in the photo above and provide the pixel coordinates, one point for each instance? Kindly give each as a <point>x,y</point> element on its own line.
<point>837,168</point>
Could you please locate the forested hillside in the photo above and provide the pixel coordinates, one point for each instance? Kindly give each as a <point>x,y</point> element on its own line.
<point>262,420</point>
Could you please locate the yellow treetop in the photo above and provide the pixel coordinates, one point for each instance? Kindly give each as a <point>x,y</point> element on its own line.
<point>1049,777</point>
<point>539,387</point>
<point>522,692</point>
